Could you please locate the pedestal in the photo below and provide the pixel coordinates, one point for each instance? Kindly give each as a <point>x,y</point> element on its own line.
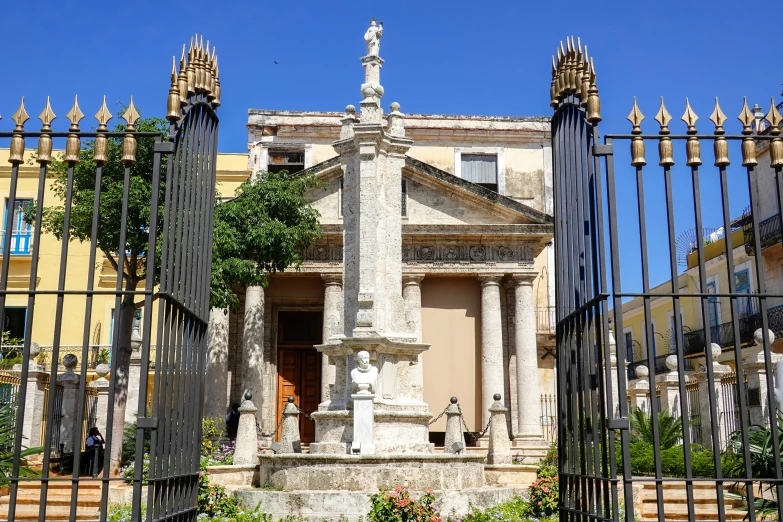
<point>363,420</point>
<point>134,378</point>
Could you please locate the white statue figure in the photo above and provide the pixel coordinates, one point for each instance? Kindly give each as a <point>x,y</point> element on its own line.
<point>364,375</point>
<point>373,38</point>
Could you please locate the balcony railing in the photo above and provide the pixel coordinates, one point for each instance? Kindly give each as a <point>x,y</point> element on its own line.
<point>20,242</point>
<point>769,232</point>
<point>546,320</point>
<point>723,334</point>
<point>660,366</point>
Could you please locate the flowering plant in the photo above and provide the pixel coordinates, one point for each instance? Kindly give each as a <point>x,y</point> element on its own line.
<point>543,497</point>
<point>398,506</point>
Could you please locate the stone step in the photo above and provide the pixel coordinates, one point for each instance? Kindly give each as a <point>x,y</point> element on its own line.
<point>61,484</point>
<point>53,513</point>
<point>93,502</point>
<point>680,497</point>
<point>680,512</point>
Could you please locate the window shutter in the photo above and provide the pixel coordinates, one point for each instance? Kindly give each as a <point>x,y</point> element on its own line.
<point>480,168</point>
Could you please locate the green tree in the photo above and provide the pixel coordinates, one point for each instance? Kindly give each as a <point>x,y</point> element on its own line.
<point>134,269</point>
<point>259,232</point>
<point>669,428</point>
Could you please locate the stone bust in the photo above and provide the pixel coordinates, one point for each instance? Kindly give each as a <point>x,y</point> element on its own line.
<point>365,374</point>
<point>373,38</point>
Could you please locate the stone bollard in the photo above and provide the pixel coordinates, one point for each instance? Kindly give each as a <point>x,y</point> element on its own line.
<point>453,442</point>
<point>70,383</point>
<point>34,403</point>
<point>246,450</point>
<point>499,442</point>
<point>101,385</point>
<point>290,441</point>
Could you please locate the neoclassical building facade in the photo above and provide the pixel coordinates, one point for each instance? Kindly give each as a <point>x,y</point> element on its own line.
<point>477,228</point>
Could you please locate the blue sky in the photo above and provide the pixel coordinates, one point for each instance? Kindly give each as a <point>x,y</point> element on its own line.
<point>452,57</point>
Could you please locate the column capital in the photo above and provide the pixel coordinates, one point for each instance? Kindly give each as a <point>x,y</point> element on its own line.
<point>526,279</point>
<point>412,279</point>
<point>332,279</point>
<point>490,279</point>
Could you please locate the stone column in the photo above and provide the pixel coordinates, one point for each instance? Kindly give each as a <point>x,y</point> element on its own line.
<point>639,389</point>
<point>529,433</point>
<point>755,368</point>
<point>253,345</point>
<point>246,449</point>
<point>332,325</point>
<point>492,374</point>
<point>70,383</point>
<point>411,293</point>
<point>499,444</point>
<point>615,383</point>
<point>134,374</point>
<point>34,402</point>
<point>719,370</point>
<point>668,384</point>
<point>216,402</point>
<point>101,385</point>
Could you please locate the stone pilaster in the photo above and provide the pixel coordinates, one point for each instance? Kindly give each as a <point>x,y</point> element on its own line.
<point>719,371</point>
<point>411,293</point>
<point>529,437</point>
<point>34,401</point>
<point>217,365</point>
<point>668,386</point>
<point>253,345</point>
<point>492,374</point>
<point>134,373</point>
<point>614,376</point>
<point>639,389</point>
<point>754,365</point>
<point>332,326</point>
<point>70,383</point>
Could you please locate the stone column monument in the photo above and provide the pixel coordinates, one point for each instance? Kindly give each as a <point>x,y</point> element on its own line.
<point>372,156</point>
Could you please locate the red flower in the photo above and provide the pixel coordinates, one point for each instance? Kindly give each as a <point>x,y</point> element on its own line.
<point>404,502</point>
<point>397,489</point>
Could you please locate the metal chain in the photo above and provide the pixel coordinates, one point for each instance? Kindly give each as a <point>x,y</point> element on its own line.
<point>305,414</point>
<point>475,436</point>
<point>276,429</point>
<point>433,421</point>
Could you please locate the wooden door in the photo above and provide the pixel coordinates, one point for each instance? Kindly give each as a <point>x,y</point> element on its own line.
<point>299,375</point>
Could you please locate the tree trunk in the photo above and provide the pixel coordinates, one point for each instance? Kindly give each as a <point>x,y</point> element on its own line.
<point>121,363</point>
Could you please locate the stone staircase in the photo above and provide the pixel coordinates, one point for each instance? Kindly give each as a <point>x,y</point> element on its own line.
<point>58,502</point>
<point>675,502</point>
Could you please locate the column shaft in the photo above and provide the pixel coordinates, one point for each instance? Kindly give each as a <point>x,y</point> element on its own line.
<point>528,390</point>
<point>253,346</point>
<point>332,325</point>
<point>217,365</point>
<point>411,293</point>
<point>492,374</point>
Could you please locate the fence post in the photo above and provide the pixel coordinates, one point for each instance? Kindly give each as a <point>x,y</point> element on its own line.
<point>639,389</point>
<point>719,371</point>
<point>499,443</point>
<point>101,385</point>
<point>33,413</point>
<point>246,450</point>
<point>614,377</point>
<point>290,440</point>
<point>134,377</point>
<point>453,427</point>
<point>755,369</point>
<point>70,383</point>
<point>669,385</point>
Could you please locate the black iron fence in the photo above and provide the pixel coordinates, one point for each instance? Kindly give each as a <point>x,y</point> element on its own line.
<point>545,319</point>
<point>549,416</point>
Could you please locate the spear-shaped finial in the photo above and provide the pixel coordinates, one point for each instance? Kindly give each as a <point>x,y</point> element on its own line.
<point>692,146</point>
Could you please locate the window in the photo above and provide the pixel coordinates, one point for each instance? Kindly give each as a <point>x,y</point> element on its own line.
<point>404,203</point>
<point>712,304</point>
<point>15,321</point>
<point>744,304</point>
<point>289,160</point>
<point>629,346</point>
<point>21,231</point>
<point>673,329</point>
<point>481,169</point>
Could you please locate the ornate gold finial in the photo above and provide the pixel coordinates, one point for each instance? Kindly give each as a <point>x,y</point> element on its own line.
<point>101,148</point>
<point>553,85</point>
<point>72,144</point>
<point>593,102</point>
<point>182,79</point>
<point>211,75</point>
<point>692,146</point>
<point>721,146</point>
<point>47,116</point>
<point>16,152</point>
<point>191,71</point>
<point>585,87</point>
<point>665,153</point>
<point>173,103</point>
<point>748,144</point>
<point>216,101</point>
<point>637,143</point>
<point>129,141</point>
<point>776,145</point>
<point>578,68</point>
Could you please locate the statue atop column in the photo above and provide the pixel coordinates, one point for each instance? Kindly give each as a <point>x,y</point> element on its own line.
<point>364,375</point>
<point>373,38</point>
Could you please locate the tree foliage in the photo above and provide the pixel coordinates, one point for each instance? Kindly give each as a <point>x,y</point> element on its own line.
<point>259,232</point>
<point>669,428</point>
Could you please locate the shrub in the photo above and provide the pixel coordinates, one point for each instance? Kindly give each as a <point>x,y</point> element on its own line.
<point>126,472</point>
<point>672,460</point>
<point>213,499</point>
<point>211,431</point>
<point>514,510</point>
<point>543,497</point>
<point>669,428</point>
<point>398,506</point>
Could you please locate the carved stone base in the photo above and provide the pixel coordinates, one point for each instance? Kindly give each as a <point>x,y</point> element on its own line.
<point>395,431</point>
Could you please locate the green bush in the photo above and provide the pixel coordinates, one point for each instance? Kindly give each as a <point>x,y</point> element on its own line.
<point>542,497</point>
<point>514,510</point>
<point>211,431</point>
<point>398,506</point>
<point>213,499</point>
<point>672,460</point>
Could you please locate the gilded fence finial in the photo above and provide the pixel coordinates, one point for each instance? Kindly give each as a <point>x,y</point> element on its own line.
<point>72,144</point>
<point>553,85</point>
<point>173,103</point>
<point>637,143</point>
<point>721,147</point>
<point>748,145</point>
<point>585,87</point>
<point>191,71</point>
<point>665,152</point>
<point>129,141</point>
<point>211,69</point>
<point>593,102</point>
<point>16,152</point>
<point>182,79</point>
<point>47,116</point>
<point>776,145</point>
<point>207,71</point>
<point>216,101</point>
<point>559,73</point>
<point>692,146</point>
<point>101,147</point>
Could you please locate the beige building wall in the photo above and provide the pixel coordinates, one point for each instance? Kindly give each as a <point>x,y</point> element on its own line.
<point>451,324</point>
<point>440,157</point>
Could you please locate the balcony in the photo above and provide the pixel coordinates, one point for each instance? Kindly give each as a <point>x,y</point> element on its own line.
<point>769,232</point>
<point>723,334</point>
<point>20,242</point>
<point>546,320</point>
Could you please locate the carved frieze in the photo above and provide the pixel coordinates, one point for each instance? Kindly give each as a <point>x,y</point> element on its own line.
<point>435,253</point>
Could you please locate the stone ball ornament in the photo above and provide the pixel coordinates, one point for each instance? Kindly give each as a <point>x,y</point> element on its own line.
<point>102,370</point>
<point>758,340</point>
<point>453,400</point>
<point>350,109</point>
<point>395,106</point>
<point>70,361</point>
<point>496,396</point>
<point>671,362</point>
<point>35,350</point>
<point>248,396</point>
<point>641,371</point>
<point>716,351</point>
